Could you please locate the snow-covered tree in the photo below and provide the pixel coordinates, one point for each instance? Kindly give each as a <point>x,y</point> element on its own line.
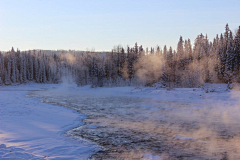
<point>237,53</point>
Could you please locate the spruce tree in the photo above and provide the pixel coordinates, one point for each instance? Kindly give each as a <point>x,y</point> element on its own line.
<point>31,67</point>
<point>2,67</point>
<point>230,53</point>
<point>222,58</point>
<point>180,54</point>
<point>237,52</point>
<point>36,69</point>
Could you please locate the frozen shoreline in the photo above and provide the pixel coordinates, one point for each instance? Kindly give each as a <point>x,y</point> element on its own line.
<point>30,129</point>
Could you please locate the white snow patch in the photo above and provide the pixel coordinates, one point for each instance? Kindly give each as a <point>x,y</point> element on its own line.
<point>30,129</point>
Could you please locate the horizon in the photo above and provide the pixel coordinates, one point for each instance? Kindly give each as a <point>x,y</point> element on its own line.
<point>99,26</point>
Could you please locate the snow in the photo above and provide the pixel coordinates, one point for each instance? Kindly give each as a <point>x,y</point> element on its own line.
<point>31,129</point>
<point>204,117</point>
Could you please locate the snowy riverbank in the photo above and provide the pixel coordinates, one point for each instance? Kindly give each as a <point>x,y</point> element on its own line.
<point>30,129</point>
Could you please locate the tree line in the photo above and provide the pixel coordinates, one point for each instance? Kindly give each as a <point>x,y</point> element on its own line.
<point>190,65</point>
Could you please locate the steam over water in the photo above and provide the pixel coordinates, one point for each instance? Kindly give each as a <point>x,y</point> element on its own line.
<point>196,123</point>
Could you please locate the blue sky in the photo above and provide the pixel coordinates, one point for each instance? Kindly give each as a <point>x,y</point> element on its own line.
<point>101,24</point>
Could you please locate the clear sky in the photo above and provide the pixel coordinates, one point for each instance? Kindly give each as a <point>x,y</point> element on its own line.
<point>101,24</point>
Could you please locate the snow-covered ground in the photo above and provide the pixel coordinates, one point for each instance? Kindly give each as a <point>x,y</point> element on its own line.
<point>128,122</point>
<point>30,129</point>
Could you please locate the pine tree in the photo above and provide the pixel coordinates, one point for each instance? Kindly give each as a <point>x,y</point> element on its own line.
<point>141,51</point>
<point>130,62</point>
<point>170,65</point>
<point>190,54</point>
<point>199,47</point>
<point>31,67</point>
<point>158,51</point>
<point>165,52</point>
<point>136,48</point>
<point>40,71</point>
<point>237,52</point>
<point>222,58</point>
<point>180,54</point>
<point>2,69</point>
<point>230,54</point>
<point>7,80</point>
<point>13,77</point>
<point>230,59</point>
<point>1,82</point>
<point>8,71</point>
<point>226,38</point>
<point>24,68</point>
<point>36,69</point>
<point>21,74</point>
<point>44,79</point>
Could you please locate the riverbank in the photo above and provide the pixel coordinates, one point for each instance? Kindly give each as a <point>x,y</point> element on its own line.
<point>30,129</point>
